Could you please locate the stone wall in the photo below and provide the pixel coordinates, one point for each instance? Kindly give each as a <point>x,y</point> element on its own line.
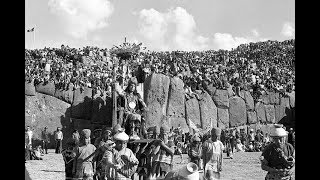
<point>167,103</point>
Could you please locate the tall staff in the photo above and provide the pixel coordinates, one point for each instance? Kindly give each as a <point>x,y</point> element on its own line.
<point>114,93</point>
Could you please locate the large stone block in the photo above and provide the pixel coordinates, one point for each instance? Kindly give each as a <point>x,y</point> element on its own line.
<point>252,117</point>
<point>48,88</point>
<point>284,101</point>
<point>193,111</point>
<point>82,104</point>
<point>279,112</point>
<point>223,118</point>
<point>156,88</point>
<point>265,99</point>
<point>30,90</point>
<point>208,111</point>
<point>237,111</point>
<point>221,98</point>
<point>292,98</point>
<point>176,106</point>
<point>274,98</point>
<point>261,112</point>
<point>270,114</point>
<point>249,101</point>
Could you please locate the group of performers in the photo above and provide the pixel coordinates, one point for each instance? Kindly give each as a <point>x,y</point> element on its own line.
<point>128,151</point>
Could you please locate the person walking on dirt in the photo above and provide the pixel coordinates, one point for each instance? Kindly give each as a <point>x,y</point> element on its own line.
<point>212,151</point>
<point>84,166</point>
<point>45,139</point>
<point>58,136</point>
<point>195,150</point>
<point>278,158</point>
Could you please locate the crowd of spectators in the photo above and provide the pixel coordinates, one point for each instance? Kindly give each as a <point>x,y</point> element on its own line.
<point>256,67</point>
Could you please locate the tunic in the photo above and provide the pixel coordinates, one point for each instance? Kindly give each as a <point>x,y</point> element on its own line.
<point>84,169</point>
<point>212,157</point>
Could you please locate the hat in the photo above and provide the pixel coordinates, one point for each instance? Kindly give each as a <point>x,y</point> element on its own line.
<point>86,133</point>
<point>121,136</point>
<point>189,171</point>
<point>291,129</point>
<point>278,131</point>
<point>251,130</point>
<point>216,131</point>
<point>47,128</point>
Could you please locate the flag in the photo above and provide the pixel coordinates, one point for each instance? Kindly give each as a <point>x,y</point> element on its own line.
<point>30,30</point>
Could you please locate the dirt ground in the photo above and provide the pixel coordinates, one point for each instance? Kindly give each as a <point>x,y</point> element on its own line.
<point>244,166</point>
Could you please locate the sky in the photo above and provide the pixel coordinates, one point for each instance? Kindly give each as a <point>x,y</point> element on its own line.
<point>161,25</point>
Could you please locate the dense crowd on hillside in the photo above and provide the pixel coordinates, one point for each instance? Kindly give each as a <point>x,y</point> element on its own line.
<point>256,67</point>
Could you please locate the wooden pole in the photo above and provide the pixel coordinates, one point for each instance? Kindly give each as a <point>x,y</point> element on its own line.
<point>114,95</point>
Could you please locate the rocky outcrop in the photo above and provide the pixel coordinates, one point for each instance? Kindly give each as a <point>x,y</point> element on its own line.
<point>261,112</point>
<point>223,118</point>
<point>270,114</point>
<point>156,88</point>
<point>249,101</point>
<point>208,111</point>
<point>193,111</point>
<point>237,111</point>
<point>46,111</point>
<point>176,99</point>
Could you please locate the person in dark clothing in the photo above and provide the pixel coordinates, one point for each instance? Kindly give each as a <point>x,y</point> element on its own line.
<point>68,157</point>
<point>291,137</point>
<point>45,139</point>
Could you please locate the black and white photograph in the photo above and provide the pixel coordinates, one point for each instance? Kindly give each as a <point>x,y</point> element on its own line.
<point>159,90</point>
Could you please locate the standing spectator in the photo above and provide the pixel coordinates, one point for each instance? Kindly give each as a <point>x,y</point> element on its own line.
<point>291,137</point>
<point>58,138</point>
<point>243,137</point>
<point>251,136</point>
<point>76,136</point>
<point>30,135</point>
<point>212,151</point>
<point>45,139</point>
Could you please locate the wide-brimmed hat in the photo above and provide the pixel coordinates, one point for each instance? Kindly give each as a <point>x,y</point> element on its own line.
<point>196,139</point>
<point>117,128</point>
<point>121,136</point>
<point>278,131</point>
<point>189,171</point>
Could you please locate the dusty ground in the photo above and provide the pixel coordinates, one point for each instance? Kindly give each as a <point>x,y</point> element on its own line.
<point>244,166</point>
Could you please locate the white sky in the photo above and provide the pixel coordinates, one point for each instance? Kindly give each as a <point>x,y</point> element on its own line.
<point>158,24</point>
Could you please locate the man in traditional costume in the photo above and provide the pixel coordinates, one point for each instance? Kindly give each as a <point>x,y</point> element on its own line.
<point>212,150</point>
<point>84,166</point>
<point>278,158</point>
